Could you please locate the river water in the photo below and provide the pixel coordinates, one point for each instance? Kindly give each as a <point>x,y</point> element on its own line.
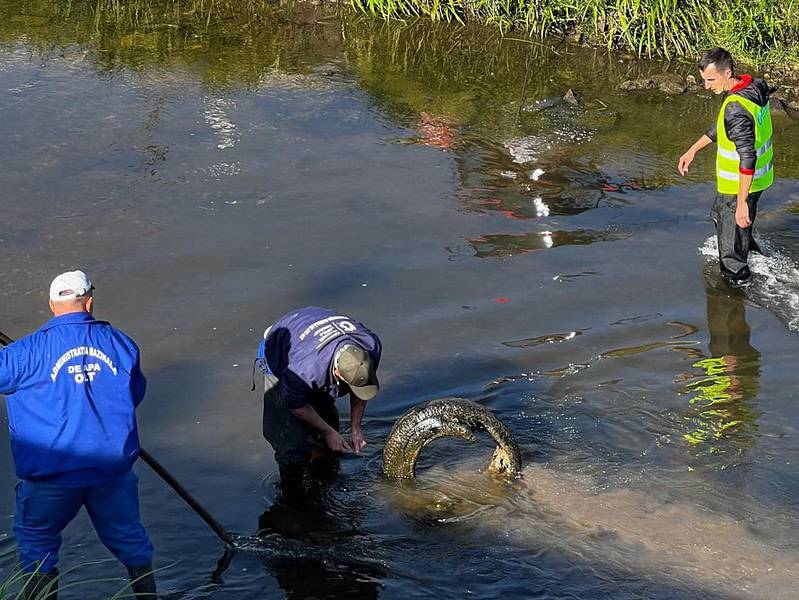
<point>213,169</point>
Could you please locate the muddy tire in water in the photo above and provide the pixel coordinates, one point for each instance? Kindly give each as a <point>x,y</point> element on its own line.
<point>447,417</point>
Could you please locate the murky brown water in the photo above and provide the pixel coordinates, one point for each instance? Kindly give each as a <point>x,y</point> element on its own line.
<point>213,172</point>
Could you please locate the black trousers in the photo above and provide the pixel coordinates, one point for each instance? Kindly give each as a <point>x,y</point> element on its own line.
<point>291,438</point>
<point>734,243</point>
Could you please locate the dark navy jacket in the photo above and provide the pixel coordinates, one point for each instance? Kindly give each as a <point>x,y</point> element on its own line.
<point>71,389</point>
<point>298,349</point>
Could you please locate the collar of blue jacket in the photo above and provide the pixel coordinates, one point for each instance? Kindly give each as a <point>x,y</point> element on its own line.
<point>70,319</point>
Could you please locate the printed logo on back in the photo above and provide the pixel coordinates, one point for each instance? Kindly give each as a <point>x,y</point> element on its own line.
<point>327,330</point>
<point>83,372</point>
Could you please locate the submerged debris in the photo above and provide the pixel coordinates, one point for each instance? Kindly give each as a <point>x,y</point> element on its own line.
<point>785,101</point>
<point>447,417</point>
<point>670,84</point>
<point>571,98</point>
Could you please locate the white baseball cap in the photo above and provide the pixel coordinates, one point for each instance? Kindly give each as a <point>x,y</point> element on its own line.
<point>70,285</point>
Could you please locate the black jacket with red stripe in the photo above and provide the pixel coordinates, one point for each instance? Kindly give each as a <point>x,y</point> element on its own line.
<point>738,122</point>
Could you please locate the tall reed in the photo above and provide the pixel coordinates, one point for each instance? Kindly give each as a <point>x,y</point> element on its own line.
<point>759,31</point>
<point>12,584</point>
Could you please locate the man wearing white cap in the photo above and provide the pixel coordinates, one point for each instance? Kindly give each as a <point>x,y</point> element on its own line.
<point>310,357</point>
<point>72,388</point>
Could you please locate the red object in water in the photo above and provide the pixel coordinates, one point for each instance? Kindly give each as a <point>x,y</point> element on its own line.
<point>512,215</point>
<point>502,300</point>
<point>436,131</point>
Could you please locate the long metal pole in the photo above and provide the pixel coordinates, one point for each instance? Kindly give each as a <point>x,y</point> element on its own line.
<point>170,481</point>
<point>159,469</point>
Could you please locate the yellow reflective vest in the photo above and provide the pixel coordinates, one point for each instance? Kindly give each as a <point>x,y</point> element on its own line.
<point>727,160</point>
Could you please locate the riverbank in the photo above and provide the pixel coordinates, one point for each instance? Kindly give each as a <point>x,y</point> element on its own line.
<point>763,33</point>
<point>764,41</point>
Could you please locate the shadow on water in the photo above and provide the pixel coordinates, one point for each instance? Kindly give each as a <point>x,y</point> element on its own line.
<point>313,547</point>
<point>343,569</point>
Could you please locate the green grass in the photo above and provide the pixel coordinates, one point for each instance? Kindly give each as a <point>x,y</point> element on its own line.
<point>760,32</point>
<point>11,585</point>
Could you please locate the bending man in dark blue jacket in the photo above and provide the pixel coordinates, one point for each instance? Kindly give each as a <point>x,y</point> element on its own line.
<point>744,159</point>
<point>72,389</point>
<point>310,357</point>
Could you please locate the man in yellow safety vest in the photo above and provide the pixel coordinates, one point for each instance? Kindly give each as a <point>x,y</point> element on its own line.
<point>744,159</point>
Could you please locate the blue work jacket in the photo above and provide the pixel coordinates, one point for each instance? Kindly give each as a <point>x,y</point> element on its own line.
<point>71,390</point>
<point>298,349</point>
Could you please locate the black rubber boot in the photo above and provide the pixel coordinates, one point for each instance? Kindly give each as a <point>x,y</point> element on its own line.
<point>142,582</point>
<point>41,586</point>
<point>292,480</point>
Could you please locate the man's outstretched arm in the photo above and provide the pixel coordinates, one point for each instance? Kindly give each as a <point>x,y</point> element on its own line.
<point>687,158</point>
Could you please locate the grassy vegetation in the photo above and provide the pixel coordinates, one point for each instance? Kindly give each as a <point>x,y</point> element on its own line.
<point>760,32</point>
<point>12,584</point>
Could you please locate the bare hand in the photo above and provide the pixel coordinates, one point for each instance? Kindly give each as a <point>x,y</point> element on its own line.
<point>685,162</point>
<point>335,442</point>
<point>358,441</point>
<point>742,215</point>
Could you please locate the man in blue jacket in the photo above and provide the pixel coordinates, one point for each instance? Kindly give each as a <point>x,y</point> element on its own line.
<point>310,357</point>
<point>72,388</point>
